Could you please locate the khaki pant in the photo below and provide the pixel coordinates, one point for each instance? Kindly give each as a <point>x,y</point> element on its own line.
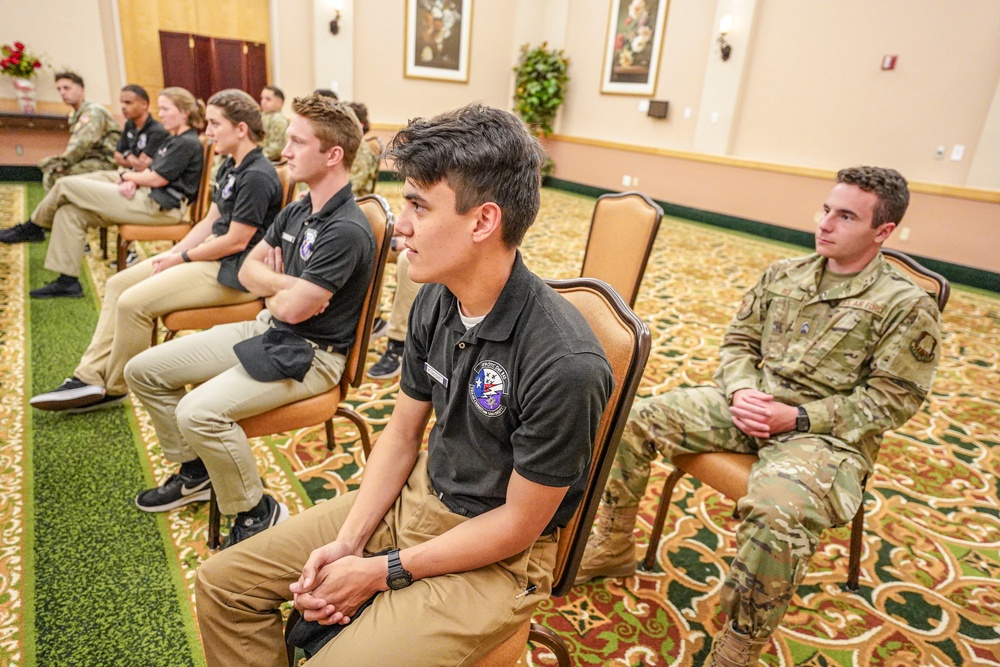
<point>76,203</point>
<point>86,166</point>
<point>133,299</point>
<point>406,292</point>
<point>201,423</point>
<point>447,620</point>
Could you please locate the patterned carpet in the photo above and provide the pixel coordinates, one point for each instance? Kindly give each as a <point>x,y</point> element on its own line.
<point>931,559</point>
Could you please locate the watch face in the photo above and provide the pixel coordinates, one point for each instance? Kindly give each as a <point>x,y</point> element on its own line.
<point>398,581</point>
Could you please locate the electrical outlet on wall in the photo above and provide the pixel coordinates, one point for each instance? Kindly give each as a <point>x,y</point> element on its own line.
<point>939,153</point>
<point>904,234</point>
<point>626,180</point>
<point>635,181</point>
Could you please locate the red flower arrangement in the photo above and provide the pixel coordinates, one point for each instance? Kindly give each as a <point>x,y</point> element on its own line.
<point>18,62</point>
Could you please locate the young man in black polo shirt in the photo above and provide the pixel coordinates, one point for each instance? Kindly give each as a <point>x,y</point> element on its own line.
<point>471,526</point>
<point>313,269</point>
<point>143,135</point>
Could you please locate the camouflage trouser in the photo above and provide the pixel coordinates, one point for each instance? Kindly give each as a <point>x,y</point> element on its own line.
<point>50,175</point>
<point>802,484</point>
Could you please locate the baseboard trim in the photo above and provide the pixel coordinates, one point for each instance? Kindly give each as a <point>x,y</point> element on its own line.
<point>956,273</point>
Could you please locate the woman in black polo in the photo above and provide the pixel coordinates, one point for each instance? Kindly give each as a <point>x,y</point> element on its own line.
<point>199,271</point>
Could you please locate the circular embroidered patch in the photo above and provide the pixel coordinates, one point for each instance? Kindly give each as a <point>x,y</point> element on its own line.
<point>488,386</point>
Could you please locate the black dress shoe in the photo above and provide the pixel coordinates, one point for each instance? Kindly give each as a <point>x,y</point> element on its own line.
<point>26,232</point>
<point>57,289</point>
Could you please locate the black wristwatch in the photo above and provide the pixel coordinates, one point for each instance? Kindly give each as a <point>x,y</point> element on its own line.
<point>802,421</point>
<point>398,577</point>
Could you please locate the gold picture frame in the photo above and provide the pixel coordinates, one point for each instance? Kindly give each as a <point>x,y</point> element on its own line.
<point>438,39</point>
<point>633,46</point>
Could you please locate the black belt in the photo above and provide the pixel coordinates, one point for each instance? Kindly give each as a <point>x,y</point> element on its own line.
<point>327,348</point>
<point>451,503</point>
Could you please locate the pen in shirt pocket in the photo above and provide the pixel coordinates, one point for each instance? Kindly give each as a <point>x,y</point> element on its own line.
<point>527,591</point>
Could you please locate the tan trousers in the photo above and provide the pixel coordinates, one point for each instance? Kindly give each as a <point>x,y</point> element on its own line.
<point>406,292</point>
<point>133,299</point>
<point>76,203</point>
<point>447,620</point>
<point>201,423</point>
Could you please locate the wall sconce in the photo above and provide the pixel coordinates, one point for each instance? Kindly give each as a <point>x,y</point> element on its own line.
<point>725,25</point>
<point>336,6</point>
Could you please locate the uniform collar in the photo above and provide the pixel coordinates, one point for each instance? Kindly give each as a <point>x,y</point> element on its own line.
<point>75,116</point>
<point>248,159</point>
<point>500,321</point>
<point>145,126</point>
<point>331,206</point>
<point>852,287</point>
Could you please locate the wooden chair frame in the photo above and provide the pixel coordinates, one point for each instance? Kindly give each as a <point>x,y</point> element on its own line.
<point>731,471</point>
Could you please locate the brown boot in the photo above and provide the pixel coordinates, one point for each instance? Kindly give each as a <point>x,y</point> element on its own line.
<point>732,648</point>
<point>610,550</point>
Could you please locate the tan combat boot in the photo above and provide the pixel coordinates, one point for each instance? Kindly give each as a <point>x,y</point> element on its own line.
<point>610,549</point>
<point>732,648</point>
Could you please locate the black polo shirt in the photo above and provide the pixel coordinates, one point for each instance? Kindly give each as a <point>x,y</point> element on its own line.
<point>522,390</point>
<point>251,195</point>
<point>335,249</point>
<point>179,161</point>
<point>146,139</point>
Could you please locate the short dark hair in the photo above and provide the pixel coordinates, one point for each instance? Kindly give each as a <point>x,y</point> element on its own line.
<point>326,92</point>
<point>71,75</point>
<point>485,155</point>
<point>361,111</point>
<point>279,93</point>
<point>333,122</point>
<point>139,92</point>
<point>886,184</point>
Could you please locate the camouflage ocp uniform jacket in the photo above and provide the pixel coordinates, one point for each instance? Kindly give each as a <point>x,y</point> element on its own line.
<point>93,136</point>
<point>860,357</point>
<point>275,124</point>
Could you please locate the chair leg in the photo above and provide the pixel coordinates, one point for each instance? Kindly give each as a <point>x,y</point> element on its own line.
<point>857,533</point>
<point>346,411</point>
<point>122,252</point>
<point>104,242</point>
<point>214,521</point>
<point>293,618</point>
<point>661,517</point>
<point>552,641</point>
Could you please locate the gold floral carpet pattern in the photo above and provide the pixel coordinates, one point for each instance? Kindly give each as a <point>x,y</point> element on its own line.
<point>930,572</point>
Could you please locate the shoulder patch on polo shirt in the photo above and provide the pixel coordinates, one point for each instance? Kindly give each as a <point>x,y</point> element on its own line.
<point>489,384</point>
<point>308,243</point>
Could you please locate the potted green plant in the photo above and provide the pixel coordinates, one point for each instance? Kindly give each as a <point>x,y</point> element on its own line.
<point>540,86</point>
<point>21,66</point>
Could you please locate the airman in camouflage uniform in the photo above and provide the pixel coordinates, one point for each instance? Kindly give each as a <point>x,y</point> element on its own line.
<point>831,361</point>
<point>275,124</point>
<point>364,171</point>
<point>93,136</point>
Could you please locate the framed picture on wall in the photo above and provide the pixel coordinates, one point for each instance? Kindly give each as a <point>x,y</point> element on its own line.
<point>438,34</point>
<point>632,48</point>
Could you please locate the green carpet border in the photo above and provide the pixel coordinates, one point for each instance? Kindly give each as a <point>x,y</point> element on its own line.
<point>176,568</point>
<point>980,279</point>
<point>29,642</point>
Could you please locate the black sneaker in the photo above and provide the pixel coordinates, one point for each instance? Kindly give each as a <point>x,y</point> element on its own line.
<point>72,393</point>
<point>26,232</point>
<point>109,401</point>
<point>131,258</point>
<point>57,289</point>
<point>179,489</point>
<point>379,328</point>
<point>389,365</point>
<point>245,526</point>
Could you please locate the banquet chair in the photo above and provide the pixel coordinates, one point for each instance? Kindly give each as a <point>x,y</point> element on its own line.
<point>322,408</point>
<point>626,343</point>
<point>729,472</point>
<point>622,230</point>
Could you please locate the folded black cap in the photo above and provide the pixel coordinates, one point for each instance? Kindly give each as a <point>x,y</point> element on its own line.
<point>275,355</point>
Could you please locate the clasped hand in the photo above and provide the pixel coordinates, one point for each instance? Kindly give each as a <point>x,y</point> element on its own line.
<point>760,416</point>
<point>335,581</point>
